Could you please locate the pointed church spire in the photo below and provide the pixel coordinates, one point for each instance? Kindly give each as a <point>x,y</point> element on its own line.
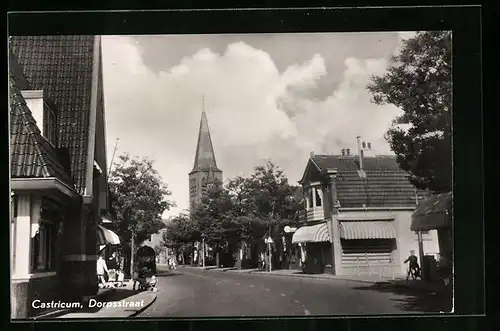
<point>205,156</point>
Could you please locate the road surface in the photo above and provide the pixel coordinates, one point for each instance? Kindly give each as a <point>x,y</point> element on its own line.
<point>190,292</point>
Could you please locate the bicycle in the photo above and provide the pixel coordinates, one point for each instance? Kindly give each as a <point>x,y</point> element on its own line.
<point>414,273</point>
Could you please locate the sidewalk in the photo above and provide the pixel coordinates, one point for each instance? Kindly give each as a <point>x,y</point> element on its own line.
<point>119,302</point>
<point>102,294</point>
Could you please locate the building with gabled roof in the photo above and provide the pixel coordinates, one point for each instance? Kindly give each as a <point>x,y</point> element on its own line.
<point>57,156</point>
<point>365,205</point>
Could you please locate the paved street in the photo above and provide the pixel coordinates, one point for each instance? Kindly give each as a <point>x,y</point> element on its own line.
<point>191,292</point>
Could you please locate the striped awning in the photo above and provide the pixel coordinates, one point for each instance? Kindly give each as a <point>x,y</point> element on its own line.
<point>433,213</point>
<point>367,230</point>
<point>106,236</point>
<point>311,233</point>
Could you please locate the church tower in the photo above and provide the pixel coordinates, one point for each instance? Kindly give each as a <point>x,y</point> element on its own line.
<point>205,171</point>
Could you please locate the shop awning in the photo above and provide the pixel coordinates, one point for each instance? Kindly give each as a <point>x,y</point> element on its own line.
<point>106,236</point>
<point>433,213</point>
<point>311,233</point>
<point>367,230</point>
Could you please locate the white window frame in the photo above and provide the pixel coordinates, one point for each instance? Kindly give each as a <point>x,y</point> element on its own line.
<point>49,124</point>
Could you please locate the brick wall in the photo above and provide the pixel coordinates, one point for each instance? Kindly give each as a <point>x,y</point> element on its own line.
<point>45,289</point>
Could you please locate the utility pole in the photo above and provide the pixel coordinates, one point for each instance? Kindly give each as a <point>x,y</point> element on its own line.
<point>420,242</point>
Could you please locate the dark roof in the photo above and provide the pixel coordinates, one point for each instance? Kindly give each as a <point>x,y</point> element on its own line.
<point>385,185</point>
<point>32,156</point>
<point>204,159</point>
<point>62,67</point>
<point>433,213</point>
<point>434,204</point>
<point>350,163</point>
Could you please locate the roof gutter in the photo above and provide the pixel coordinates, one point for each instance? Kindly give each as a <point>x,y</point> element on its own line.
<point>89,178</point>
<point>48,183</point>
<point>409,208</point>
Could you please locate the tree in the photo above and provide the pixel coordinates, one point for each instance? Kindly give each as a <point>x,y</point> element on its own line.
<point>180,230</point>
<point>139,199</point>
<point>419,83</point>
<point>215,219</point>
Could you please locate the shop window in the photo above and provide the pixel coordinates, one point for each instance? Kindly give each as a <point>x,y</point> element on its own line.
<point>43,247</point>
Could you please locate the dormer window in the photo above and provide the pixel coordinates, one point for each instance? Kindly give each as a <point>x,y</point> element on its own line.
<point>43,114</point>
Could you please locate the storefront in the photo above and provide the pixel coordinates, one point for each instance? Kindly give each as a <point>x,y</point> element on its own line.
<point>314,246</point>
<point>371,243</point>
<point>368,246</point>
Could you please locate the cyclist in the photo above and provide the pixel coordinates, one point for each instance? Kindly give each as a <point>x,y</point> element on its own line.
<point>414,268</point>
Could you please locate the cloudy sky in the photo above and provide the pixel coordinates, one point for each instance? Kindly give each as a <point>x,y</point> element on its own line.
<point>267,96</point>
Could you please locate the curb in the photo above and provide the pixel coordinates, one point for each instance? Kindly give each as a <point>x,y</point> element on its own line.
<point>137,312</point>
<point>61,312</point>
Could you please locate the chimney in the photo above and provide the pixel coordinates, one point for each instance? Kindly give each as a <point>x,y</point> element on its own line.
<point>360,153</point>
<point>364,145</point>
<point>348,151</point>
<point>369,145</point>
<point>311,155</point>
<point>343,151</point>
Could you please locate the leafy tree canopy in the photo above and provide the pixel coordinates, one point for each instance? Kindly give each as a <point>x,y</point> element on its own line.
<point>419,83</point>
<point>248,206</point>
<point>139,198</point>
<point>181,229</point>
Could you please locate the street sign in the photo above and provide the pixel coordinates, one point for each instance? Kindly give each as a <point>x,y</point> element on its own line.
<point>268,240</point>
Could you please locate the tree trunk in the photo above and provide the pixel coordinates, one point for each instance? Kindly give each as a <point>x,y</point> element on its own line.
<point>217,256</point>
<point>132,250</point>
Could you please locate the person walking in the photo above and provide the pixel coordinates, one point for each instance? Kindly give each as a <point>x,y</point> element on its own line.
<point>102,271</point>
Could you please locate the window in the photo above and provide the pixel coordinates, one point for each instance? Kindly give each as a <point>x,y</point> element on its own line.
<point>426,235</point>
<point>49,124</point>
<point>310,197</point>
<point>318,198</point>
<point>43,246</point>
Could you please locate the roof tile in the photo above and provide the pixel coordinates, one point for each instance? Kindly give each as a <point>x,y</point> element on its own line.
<point>62,67</point>
<point>386,185</point>
<point>32,156</point>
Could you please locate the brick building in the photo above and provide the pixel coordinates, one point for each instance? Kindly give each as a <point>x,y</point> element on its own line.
<point>205,170</point>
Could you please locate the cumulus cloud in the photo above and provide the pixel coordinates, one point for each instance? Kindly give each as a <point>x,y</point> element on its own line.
<point>255,112</point>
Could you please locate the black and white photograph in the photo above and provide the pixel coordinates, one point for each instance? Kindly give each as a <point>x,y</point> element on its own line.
<point>231,175</point>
